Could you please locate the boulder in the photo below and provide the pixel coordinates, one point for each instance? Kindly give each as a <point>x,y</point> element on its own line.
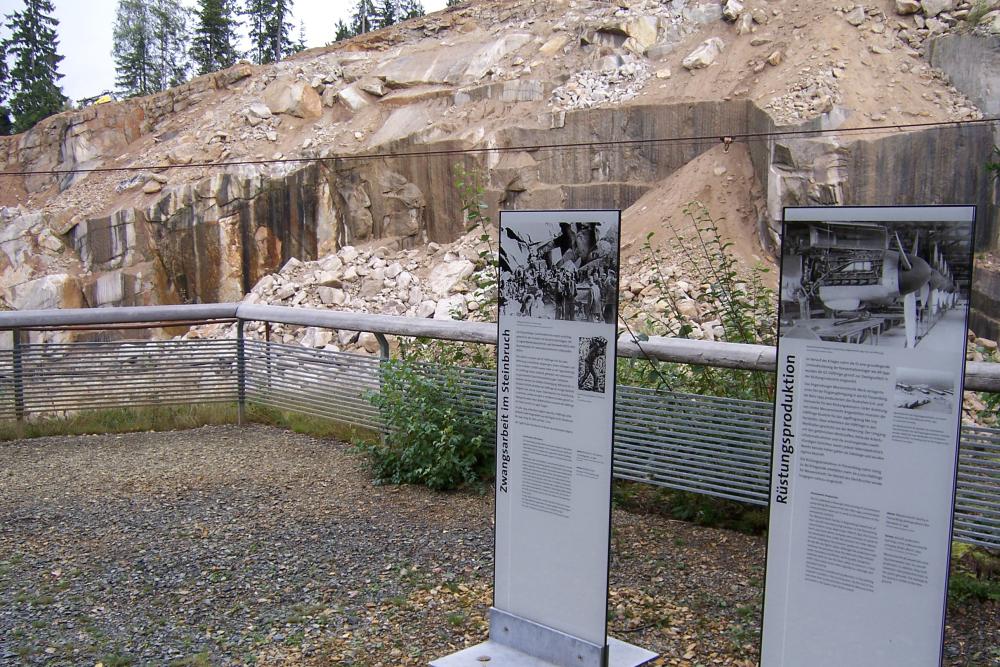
<point>58,290</point>
<point>293,97</point>
<point>372,85</point>
<point>705,54</point>
<point>259,110</point>
<point>446,275</point>
<point>426,308</point>
<point>689,308</point>
<point>450,308</point>
<point>152,187</point>
<point>329,279</point>
<point>907,7</point>
<point>856,16</point>
<point>554,45</point>
<point>345,338</point>
<point>986,344</point>
<point>348,254</point>
<point>935,7</point>
<point>316,337</point>
<point>744,24</point>
<point>369,342</point>
<point>641,34</point>
<point>370,287</point>
<point>732,10</point>
<point>332,296</point>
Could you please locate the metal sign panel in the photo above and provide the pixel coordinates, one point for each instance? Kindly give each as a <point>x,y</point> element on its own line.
<point>871,354</point>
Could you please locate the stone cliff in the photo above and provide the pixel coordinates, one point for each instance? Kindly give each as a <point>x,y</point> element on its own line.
<point>201,191</point>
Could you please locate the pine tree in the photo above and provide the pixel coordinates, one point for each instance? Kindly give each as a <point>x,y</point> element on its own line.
<point>150,46</point>
<point>214,44</point>
<point>386,14</point>
<point>131,48</point>
<point>170,38</point>
<point>342,31</point>
<point>409,9</point>
<point>6,126</point>
<point>269,29</point>
<point>300,45</point>
<point>364,19</point>
<point>30,86</point>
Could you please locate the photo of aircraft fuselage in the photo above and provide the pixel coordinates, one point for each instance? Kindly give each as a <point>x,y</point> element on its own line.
<point>876,283</point>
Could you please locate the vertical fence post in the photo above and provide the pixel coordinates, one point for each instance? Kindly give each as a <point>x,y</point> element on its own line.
<point>241,375</point>
<point>383,353</point>
<point>18,375</point>
<point>383,346</point>
<point>267,353</point>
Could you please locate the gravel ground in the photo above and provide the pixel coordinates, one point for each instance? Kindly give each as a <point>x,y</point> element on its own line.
<point>223,546</point>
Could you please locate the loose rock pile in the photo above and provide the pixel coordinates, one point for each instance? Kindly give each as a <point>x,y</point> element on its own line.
<point>611,85</point>
<point>434,282</point>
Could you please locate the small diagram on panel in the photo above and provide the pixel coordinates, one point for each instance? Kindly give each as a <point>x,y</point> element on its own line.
<point>593,364</point>
<point>927,391</point>
<point>566,272</point>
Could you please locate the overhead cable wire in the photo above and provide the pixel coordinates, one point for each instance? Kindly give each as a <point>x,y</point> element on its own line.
<point>694,140</point>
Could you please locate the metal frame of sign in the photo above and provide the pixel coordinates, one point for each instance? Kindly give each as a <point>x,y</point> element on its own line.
<point>857,561</point>
<point>551,565</point>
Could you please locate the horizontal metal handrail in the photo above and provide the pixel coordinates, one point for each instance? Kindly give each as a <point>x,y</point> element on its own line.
<point>710,445</point>
<point>979,376</point>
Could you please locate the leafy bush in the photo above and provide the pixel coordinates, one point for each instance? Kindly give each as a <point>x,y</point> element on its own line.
<point>432,437</point>
<point>975,573</point>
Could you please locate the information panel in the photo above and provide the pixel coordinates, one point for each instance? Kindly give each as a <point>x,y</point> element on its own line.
<point>555,411</point>
<point>871,358</point>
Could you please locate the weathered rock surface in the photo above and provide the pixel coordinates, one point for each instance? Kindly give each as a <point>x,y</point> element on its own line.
<point>493,75</point>
<point>295,98</point>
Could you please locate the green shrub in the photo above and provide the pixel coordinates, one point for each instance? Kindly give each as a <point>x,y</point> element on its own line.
<point>431,437</point>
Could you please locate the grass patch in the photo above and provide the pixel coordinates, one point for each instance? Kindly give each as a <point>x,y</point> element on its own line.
<point>122,420</point>
<point>178,417</point>
<point>317,427</point>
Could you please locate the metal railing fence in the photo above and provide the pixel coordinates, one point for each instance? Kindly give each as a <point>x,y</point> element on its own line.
<point>703,444</point>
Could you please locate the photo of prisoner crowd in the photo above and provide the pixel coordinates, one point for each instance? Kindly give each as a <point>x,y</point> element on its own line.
<point>565,273</point>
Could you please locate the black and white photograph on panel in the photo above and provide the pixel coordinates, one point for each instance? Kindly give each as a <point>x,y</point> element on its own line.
<point>923,390</point>
<point>898,284</point>
<point>593,364</point>
<point>560,271</point>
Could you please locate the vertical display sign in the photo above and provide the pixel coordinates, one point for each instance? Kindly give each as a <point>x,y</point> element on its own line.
<point>871,358</point>
<point>555,411</point>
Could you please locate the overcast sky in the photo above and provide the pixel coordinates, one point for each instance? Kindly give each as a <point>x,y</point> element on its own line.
<point>85,36</point>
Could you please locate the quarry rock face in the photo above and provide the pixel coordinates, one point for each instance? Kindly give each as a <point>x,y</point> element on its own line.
<point>377,126</point>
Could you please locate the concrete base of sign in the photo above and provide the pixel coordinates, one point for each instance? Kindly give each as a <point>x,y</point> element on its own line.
<point>518,642</point>
<point>620,654</point>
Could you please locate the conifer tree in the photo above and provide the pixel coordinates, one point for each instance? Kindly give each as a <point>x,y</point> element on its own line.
<point>386,13</point>
<point>269,29</point>
<point>170,38</point>
<point>409,9</point>
<point>150,46</point>
<point>132,48</point>
<point>364,18</point>
<point>214,44</point>
<point>342,31</point>
<point>29,86</point>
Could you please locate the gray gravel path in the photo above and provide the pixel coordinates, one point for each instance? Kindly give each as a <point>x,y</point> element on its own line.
<point>255,545</point>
